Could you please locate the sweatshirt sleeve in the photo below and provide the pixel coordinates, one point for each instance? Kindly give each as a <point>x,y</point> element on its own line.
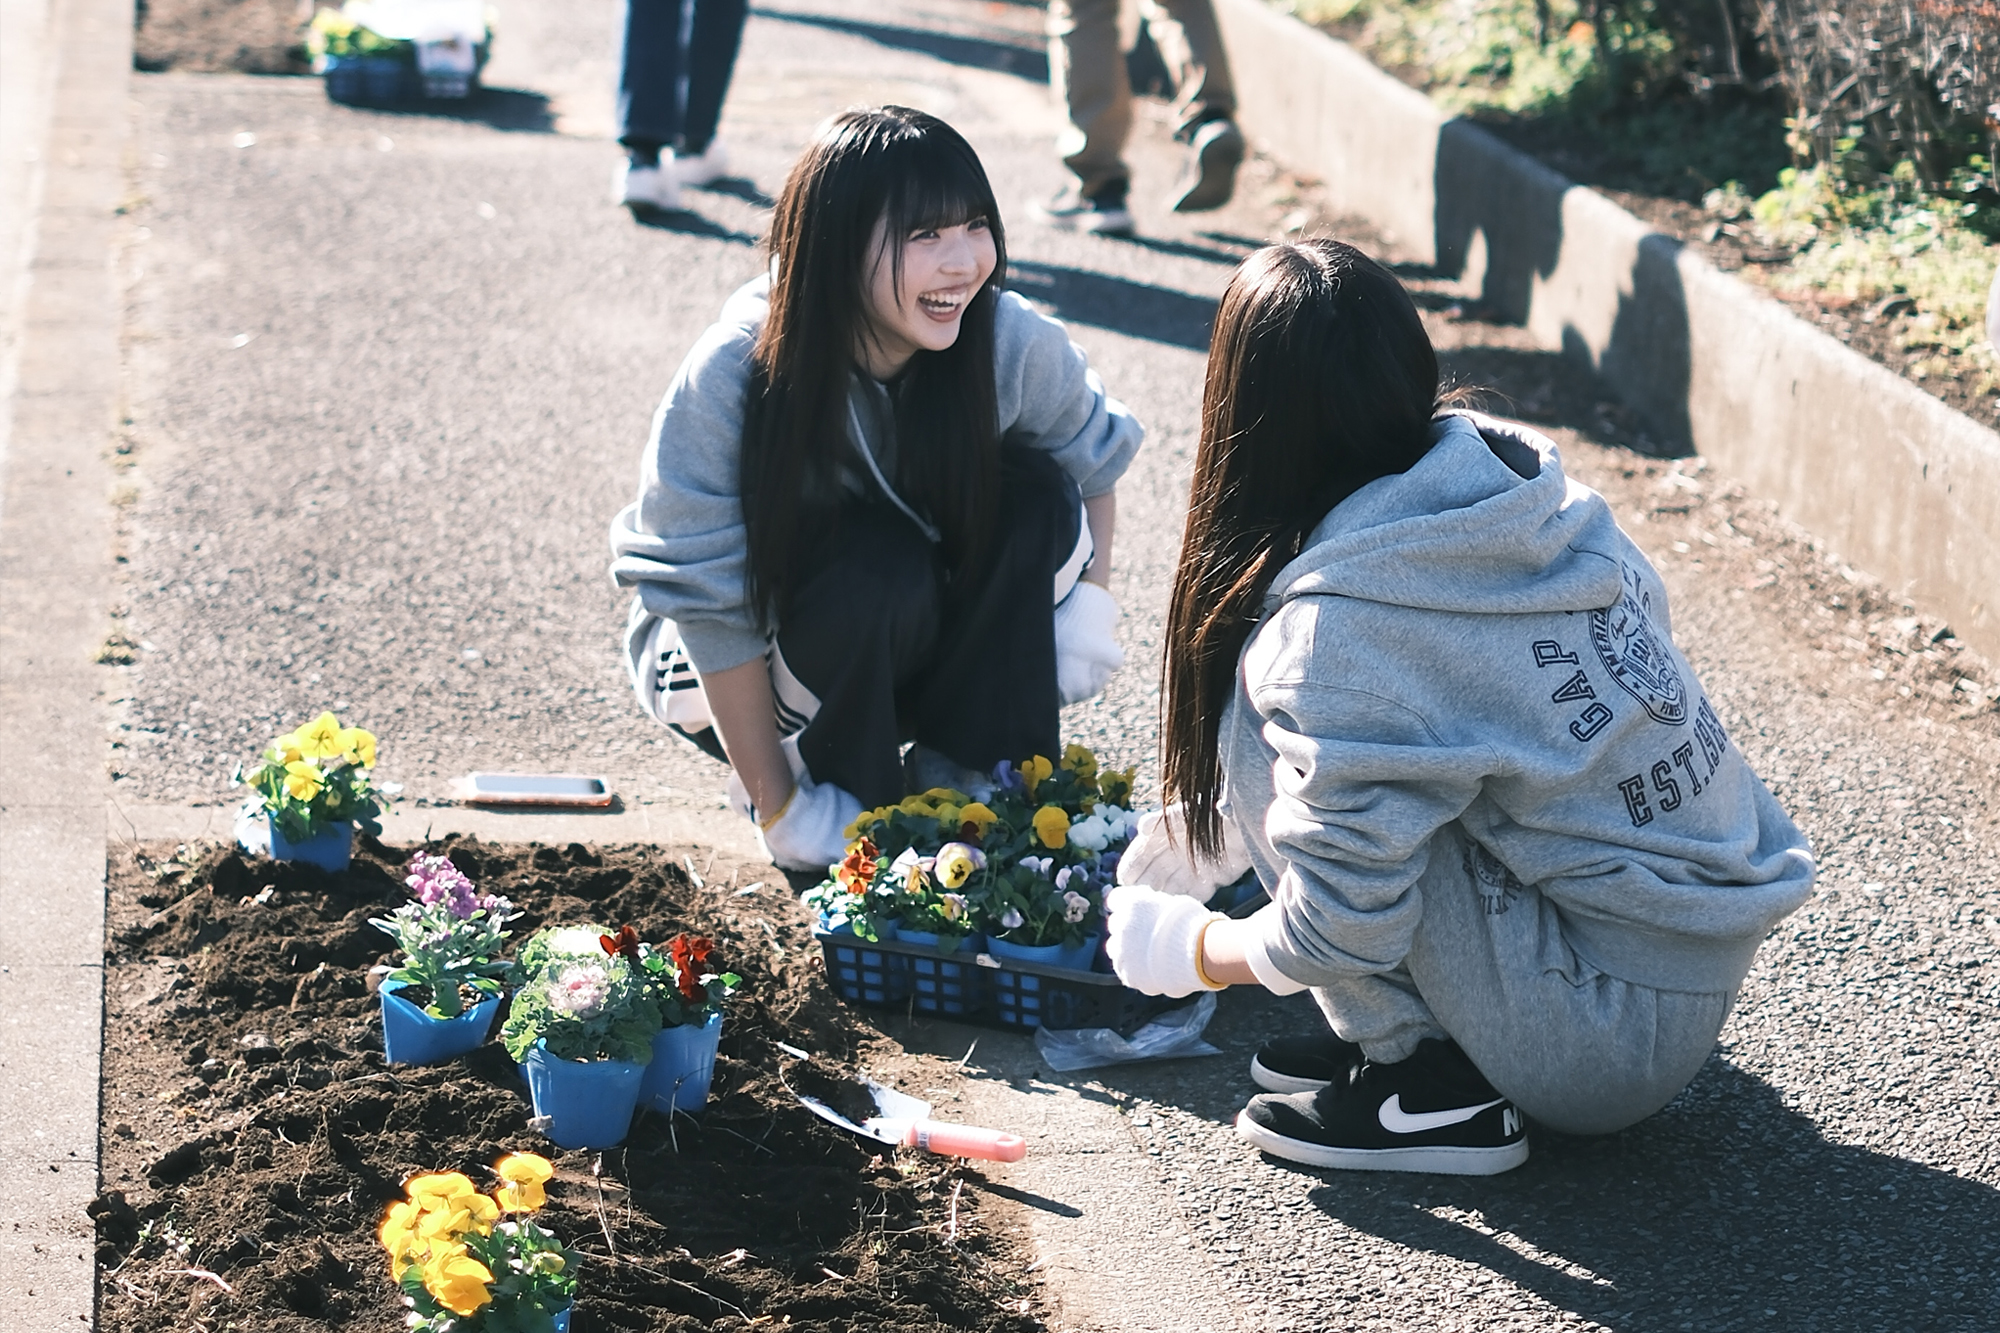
<point>682,543</point>
<point>1360,785</point>
<point>1050,399</point>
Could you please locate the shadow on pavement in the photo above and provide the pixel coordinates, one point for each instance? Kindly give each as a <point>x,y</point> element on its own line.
<point>1158,314</point>
<point>737,187</point>
<point>1726,1211</point>
<point>690,224</point>
<point>1187,250</point>
<point>1548,389</point>
<point>1027,62</point>
<point>513,109</point>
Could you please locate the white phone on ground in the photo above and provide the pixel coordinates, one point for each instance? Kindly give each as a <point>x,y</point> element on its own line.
<point>549,789</point>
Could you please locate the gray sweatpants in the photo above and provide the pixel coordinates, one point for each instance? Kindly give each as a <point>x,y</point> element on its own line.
<point>1576,1049</point>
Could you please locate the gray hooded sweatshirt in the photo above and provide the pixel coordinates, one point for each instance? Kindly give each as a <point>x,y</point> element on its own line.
<point>682,543</point>
<point>1475,640</point>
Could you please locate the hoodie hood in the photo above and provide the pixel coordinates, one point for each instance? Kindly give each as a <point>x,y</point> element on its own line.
<point>1485,523</point>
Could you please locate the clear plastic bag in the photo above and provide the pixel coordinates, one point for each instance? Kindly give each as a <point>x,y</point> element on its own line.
<point>1172,1035</point>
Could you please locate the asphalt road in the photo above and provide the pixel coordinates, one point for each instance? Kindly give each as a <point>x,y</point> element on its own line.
<point>391,499</point>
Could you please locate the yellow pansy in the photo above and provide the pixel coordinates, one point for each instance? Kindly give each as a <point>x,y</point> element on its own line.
<point>915,805</point>
<point>948,816</point>
<point>956,864</point>
<point>357,746</point>
<point>287,745</point>
<point>945,796</point>
<point>484,1213</point>
<point>398,1234</point>
<point>436,1188</point>
<point>320,738</point>
<point>865,821</point>
<point>1079,760</point>
<point>444,1223</point>
<point>302,780</point>
<point>1034,770</point>
<point>1052,826</point>
<point>522,1174</point>
<point>547,1261</point>
<point>460,1283</point>
<point>977,815</point>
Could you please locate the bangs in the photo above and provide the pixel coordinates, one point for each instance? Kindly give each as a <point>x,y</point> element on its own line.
<point>937,187</point>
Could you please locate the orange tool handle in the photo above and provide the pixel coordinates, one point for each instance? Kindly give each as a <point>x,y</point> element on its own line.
<point>989,1145</point>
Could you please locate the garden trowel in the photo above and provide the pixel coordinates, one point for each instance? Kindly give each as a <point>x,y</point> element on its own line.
<point>905,1121</point>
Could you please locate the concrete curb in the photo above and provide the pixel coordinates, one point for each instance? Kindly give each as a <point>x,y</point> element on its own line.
<point>60,404</point>
<point>1896,481</point>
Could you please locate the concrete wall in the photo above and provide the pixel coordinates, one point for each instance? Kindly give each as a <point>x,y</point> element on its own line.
<point>1901,485</point>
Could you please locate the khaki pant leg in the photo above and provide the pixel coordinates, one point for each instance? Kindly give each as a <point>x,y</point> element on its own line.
<point>1190,43</point>
<point>1087,69</point>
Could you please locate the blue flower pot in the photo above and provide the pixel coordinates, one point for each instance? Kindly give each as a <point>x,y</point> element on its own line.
<point>562,1319</point>
<point>683,1065</point>
<point>330,849</point>
<point>412,1037</point>
<point>368,80</point>
<point>941,987</point>
<point>1078,956</point>
<point>589,1103</point>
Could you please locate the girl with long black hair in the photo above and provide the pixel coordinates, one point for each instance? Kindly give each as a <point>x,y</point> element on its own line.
<point>1422,685</point>
<point>877,506</point>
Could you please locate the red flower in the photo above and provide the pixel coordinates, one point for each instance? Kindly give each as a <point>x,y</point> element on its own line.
<point>690,957</point>
<point>626,941</point>
<point>968,833</point>
<point>857,869</point>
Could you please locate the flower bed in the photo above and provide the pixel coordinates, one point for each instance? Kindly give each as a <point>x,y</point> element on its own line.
<point>254,1138</point>
<point>1690,118</point>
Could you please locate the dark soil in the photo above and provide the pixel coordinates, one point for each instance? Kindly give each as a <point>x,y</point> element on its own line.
<point>247,36</point>
<point>253,1135</point>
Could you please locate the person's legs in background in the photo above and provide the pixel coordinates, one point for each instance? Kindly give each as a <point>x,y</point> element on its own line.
<point>715,35</point>
<point>650,52</point>
<point>1087,71</point>
<point>1190,43</point>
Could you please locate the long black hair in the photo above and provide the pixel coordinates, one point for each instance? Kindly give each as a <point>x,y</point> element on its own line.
<point>901,170</point>
<point>1320,380</point>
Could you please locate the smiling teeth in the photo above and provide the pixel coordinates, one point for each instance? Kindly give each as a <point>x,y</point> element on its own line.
<point>935,302</point>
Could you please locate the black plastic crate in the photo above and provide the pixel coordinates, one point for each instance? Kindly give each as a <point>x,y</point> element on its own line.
<point>978,987</point>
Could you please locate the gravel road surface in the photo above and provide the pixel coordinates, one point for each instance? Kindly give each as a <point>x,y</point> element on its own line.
<point>389,378</point>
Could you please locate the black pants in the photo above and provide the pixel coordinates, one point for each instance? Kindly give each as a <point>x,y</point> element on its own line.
<point>893,652</point>
<point>675,59</point>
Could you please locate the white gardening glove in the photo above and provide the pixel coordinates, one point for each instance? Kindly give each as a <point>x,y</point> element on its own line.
<point>1087,650</point>
<point>1170,867</point>
<point>808,832</point>
<point>1155,939</point>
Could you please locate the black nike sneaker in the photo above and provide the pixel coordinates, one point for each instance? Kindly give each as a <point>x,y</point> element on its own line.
<point>1303,1064</point>
<point>1433,1112</point>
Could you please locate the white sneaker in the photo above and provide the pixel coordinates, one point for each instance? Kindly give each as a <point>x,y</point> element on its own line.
<point>704,168</point>
<point>645,187</point>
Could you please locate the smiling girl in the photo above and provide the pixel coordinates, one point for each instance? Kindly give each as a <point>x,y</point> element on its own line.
<point>866,489</point>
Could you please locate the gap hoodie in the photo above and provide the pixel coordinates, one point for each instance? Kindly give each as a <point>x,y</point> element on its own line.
<point>1476,641</point>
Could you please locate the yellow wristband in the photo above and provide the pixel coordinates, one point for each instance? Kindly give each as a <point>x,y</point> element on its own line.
<point>1200,943</point>
<point>764,825</point>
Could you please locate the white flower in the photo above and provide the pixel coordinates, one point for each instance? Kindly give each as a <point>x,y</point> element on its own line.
<point>1075,907</point>
<point>1039,864</point>
<point>575,942</point>
<point>580,990</point>
<point>1090,833</point>
<point>1011,921</point>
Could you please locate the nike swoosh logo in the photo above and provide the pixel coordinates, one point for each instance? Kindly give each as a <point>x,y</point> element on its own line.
<point>1398,1121</point>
